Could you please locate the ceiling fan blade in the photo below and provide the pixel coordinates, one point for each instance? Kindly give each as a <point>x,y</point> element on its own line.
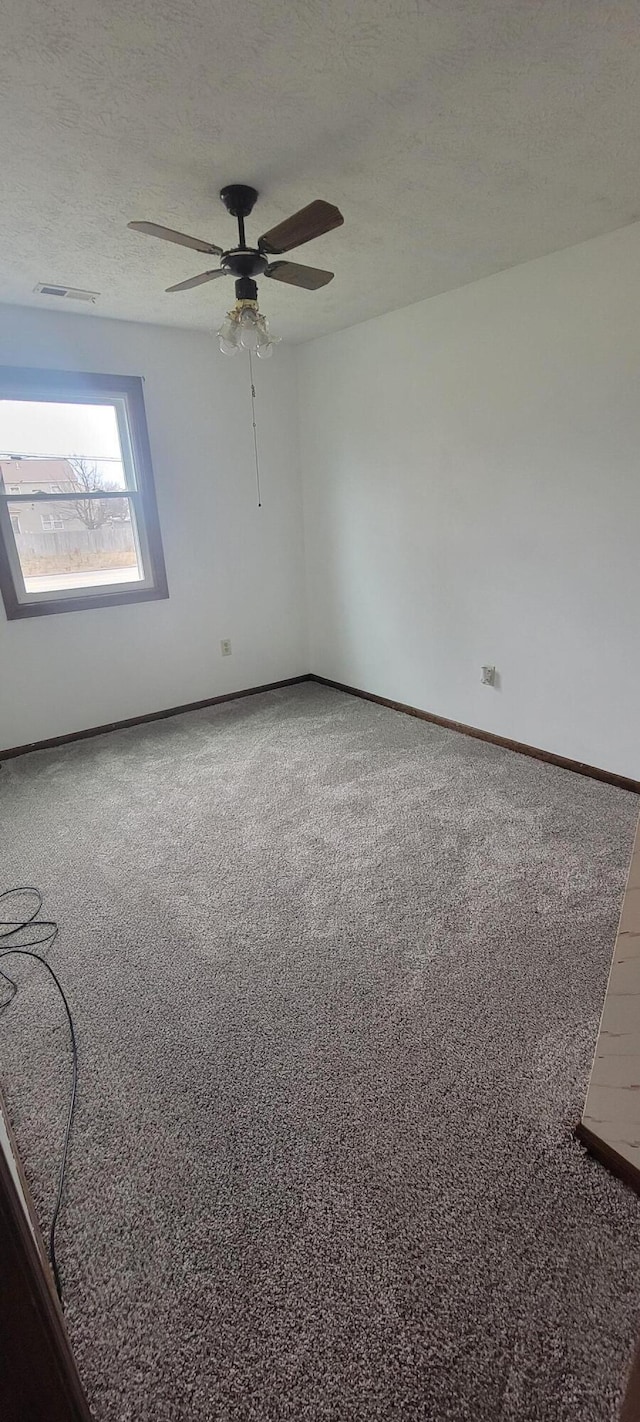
<point>309,277</point>
<point>197,281</point>
<point>310,221</point>
<point>168,235</point>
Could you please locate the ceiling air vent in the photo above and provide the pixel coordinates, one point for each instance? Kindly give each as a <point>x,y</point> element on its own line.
<point>71,293</point>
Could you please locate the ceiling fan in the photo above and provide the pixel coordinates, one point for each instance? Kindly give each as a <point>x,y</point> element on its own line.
<point>246,263</point>
<point>245,326</point>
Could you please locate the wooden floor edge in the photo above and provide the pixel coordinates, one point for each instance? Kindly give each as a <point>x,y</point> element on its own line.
<point>631,1401</point>
<point>609,1157</point>
<point>610,777</point>
<point>40,1378</point>
<point>64,740</point>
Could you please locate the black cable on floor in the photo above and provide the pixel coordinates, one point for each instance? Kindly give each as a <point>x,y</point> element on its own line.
<point>13,928</point>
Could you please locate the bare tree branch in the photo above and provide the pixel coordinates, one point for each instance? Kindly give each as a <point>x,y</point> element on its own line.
<point>87,479</point>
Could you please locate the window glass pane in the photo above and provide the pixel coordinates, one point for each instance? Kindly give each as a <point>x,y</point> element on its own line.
<point>50,445</point>
<point>76,543</point>
<point>77,505</point>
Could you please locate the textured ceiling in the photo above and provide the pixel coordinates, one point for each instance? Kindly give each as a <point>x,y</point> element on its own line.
<point>458,137</point>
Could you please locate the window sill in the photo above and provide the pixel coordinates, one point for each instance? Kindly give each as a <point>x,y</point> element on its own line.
<point>82,604</point>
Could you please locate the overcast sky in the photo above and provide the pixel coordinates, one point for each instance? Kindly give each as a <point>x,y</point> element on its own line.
<point>61,431</point>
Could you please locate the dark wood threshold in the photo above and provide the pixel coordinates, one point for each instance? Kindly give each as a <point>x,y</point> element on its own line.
<point>54,741</point>
<point>609,1157</point>
<point>623,1169</point>
<point>623,782</point>
<point>38,1374</point>
<point>26,1191</point>
<point>631,1401</point>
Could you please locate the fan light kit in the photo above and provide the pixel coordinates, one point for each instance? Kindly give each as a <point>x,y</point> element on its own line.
<point>245,328</point>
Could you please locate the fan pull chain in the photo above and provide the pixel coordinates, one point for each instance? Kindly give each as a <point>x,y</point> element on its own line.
<point>255,432</point>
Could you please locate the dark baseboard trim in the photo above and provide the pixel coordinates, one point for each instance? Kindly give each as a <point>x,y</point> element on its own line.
<point>149,716</point>
<point>622,782</point>
<point>609,1157</point>
<point>593,771</point>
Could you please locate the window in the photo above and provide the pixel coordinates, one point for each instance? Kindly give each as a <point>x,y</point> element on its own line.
<point>78,518</point>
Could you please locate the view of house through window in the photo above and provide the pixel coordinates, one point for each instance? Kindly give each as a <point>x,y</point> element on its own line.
<point>73,527</point>
<point>78,516</point>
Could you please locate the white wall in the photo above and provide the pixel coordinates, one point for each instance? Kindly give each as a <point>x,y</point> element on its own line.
<point>472,494</point>
<point>234,570</point>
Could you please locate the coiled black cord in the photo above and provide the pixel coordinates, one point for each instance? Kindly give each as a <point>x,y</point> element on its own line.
<point>14,928</point>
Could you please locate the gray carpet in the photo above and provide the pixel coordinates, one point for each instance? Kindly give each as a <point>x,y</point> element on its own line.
<point>337,977</point>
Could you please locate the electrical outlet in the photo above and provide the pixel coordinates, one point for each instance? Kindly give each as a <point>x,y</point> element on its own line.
<point>488,676</point>
<point>225,647</point>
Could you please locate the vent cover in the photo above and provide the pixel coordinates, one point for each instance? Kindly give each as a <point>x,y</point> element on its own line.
<point>69,293</point>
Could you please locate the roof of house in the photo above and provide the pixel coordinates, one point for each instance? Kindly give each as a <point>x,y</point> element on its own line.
<point>36,471</point>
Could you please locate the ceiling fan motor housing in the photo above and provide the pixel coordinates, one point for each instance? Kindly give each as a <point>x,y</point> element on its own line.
<point>244,262</point>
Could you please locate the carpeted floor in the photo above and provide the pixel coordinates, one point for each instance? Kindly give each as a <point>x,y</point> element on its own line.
<point>337,977</point>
